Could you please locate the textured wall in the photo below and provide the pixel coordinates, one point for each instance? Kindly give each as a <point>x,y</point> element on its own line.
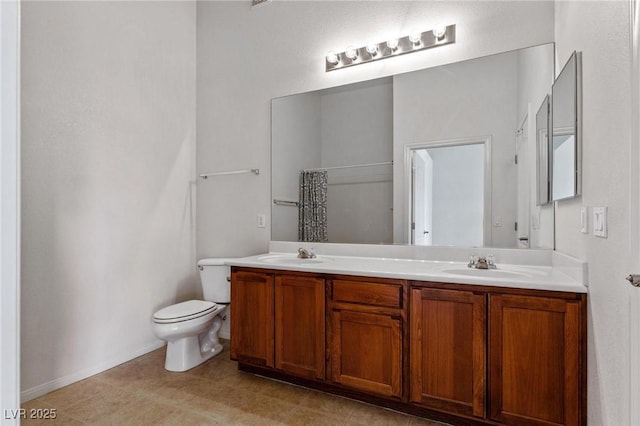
<point>297,130</point>
<point>108,161</point>
<point>357,128</point>
<point>606,101</point>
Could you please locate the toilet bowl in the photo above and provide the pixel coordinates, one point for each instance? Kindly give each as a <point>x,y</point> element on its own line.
<point>191,328</point>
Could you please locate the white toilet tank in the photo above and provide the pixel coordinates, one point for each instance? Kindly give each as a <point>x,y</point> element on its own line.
<point>214,277</point>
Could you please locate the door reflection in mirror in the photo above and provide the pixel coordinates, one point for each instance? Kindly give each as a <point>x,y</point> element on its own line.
<point>522,175</point>
<point>564,165</point>
<point>448,205</point>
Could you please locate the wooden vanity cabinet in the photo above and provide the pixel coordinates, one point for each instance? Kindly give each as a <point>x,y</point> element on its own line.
<point>512,357</point>
<point>252,334</point>
<point>447,350</point>
<point>461,354</point>
<point>278,321</point>
<point>366,336</point>
<point>537,360</point>
<point>300,325</point>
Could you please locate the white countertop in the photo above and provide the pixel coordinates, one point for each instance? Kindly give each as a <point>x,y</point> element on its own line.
<point>534,277</point>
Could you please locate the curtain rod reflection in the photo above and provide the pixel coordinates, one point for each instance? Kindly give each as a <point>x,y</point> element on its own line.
<point>388,163</point>
<point>286,203</point>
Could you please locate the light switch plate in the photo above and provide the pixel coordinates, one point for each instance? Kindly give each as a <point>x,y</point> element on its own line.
<point>262,221</point>
<point>600,222</point>
<point>584,224</point>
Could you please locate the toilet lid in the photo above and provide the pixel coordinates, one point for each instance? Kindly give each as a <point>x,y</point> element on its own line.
<point>184,311</point>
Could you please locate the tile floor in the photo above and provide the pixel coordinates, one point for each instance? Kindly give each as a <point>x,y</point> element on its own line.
<point>142,392</point>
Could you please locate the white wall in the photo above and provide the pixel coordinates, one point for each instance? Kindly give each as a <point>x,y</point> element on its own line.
<point>476,99</point>
<point>285,43</point>
<point>108,141</point>
<point>9,211</point>
<point>357,124</point>
<point>297,130</point>
<point>357,128</point>
<point>601,31</point>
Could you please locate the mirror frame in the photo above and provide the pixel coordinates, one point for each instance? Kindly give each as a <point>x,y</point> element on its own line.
<point>572,67</point>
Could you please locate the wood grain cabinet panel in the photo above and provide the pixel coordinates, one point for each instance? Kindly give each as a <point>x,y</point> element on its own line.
<point>447,350</point>
<point>535,360</point>
<point>252,338</point>
<point>375,294</point>
<point>462,354</point>
<point>300,325</point>
<point>366,352</point>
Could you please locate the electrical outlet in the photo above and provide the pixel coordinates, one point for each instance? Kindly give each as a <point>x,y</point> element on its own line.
<point>535,219</point>
<point>583,221</point>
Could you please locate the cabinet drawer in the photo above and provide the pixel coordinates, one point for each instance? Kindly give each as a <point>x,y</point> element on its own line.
<point>368,293</point>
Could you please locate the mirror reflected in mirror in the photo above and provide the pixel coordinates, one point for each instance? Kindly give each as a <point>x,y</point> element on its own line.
<point>373,142</point>
<point>566,135</point>
<point>543,118</point>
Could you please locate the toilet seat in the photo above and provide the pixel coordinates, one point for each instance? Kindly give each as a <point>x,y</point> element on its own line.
<point>184,311</point>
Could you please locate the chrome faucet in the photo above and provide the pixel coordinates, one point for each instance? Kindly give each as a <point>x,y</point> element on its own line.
<point>304,253</point>
<point>481,262</point>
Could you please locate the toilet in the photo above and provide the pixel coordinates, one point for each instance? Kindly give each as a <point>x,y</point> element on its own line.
<point>191,328</point>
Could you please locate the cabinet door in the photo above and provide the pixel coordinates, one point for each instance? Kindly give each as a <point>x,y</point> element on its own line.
<point>252,318</point>
<point>447,348</point>
<point>367,352</point>
<point>534,360</point>
<point>300,326</point>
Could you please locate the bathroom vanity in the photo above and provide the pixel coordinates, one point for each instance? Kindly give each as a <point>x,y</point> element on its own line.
<point>375,322</point>
<point>430,338</point>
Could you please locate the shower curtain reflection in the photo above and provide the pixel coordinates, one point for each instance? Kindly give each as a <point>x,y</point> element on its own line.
<point>312,210</point>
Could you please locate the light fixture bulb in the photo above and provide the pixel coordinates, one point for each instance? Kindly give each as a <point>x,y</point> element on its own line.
<point>414,37</point>
<point>351,53</point>
<point>439,31</point>
<point>392,43</point>
<point>372,48</point>
<point>332,57</point>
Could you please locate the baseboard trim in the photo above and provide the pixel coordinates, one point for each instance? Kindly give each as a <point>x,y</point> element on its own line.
<point>36,391</point>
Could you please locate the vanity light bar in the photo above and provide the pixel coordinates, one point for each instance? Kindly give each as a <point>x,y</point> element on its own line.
<point>439,36</point>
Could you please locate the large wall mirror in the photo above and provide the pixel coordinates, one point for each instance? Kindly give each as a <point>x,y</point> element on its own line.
<point>441,156</point>
<point>566,138</point>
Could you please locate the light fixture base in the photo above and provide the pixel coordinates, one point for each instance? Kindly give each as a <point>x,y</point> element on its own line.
<point>427,41</point>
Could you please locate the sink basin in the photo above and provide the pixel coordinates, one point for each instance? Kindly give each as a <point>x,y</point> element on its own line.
<point>291,259</point>
<point>492,273</point>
